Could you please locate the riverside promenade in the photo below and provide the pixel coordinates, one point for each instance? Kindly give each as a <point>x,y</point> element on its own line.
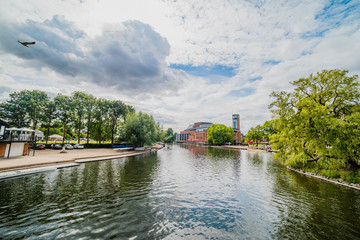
<point>51,157</point>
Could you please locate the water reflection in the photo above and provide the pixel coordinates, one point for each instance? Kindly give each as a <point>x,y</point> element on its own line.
<point>312,209</point>
<point>186,192</point>
<point>79,198</point>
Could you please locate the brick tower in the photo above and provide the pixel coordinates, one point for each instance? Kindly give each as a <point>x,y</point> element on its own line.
<point>236,127</point>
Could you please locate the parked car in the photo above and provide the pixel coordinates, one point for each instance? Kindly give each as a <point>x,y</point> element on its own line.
<point>69,147</point>
<point>40,146</point>
<point>56,146</point>
<point>78,146</point>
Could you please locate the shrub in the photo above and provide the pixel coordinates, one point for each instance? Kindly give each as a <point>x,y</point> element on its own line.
<point>350,176</point>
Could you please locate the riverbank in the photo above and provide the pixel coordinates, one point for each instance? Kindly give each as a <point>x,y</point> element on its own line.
<point>51,157</point>
<point>240,147</point>
<point>244,147</point>
<point>338,181</point>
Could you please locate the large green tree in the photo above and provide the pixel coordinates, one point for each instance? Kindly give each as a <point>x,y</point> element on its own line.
<point>218,134</point>
<point>64,105</point>
<point>255,134</point>
<point>261,132</point>
<point>140,129</point>
<point>169,136</point>
<point>117,112</point>
<point>101,120</point>
<point>319,120</point>
<point>24,108</point>
<point>50,114</point>
<point>78,115</point>
<point>89,108</point>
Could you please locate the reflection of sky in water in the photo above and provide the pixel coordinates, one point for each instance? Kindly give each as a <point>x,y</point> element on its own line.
<point>182,192</point>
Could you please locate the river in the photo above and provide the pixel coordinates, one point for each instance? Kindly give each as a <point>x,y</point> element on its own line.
<point>179,192</point>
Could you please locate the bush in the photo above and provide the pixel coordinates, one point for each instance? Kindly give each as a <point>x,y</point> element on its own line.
<point>351,177</point>
<point>327,168</point>
<point>332,174</point>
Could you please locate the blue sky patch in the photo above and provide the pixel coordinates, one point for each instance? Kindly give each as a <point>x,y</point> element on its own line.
<point>314,34</point>
<point>255,79</point>
<point>272,62</point>
<point>242,92</point>
<point>4,89</point>
<point>205,71</point>
<point>335,14</point>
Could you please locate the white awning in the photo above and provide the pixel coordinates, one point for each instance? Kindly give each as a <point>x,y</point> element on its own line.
<point>39,133</point>
<point>56,136</point>
<point>12,129</point>
<point>20,129</point>
<point>26,129</point>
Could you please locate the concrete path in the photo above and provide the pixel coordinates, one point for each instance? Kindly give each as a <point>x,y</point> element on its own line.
<point>53,157</point>
<point>23,172</point>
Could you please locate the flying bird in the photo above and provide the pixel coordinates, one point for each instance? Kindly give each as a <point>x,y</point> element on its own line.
<point>26,43</point>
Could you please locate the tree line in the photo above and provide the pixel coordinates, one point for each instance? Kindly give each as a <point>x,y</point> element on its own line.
<point>81,115</point>
<point>317,125</point>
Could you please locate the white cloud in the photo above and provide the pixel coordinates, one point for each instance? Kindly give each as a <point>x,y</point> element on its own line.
<point>128,57</point>
<point>120,49</point>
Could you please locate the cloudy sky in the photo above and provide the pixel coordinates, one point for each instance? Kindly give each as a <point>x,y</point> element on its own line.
<point>181,61</point>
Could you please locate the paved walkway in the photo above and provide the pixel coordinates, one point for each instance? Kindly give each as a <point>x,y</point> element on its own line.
<point>53,157</point>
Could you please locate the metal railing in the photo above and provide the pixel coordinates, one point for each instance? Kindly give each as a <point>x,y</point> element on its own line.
<point>20,138</point>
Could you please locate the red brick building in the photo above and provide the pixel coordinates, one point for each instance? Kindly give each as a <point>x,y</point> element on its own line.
<point>236,127</point>
<point>197,132</point>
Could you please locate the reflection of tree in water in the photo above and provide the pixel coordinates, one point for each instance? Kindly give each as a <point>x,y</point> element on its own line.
<point>211,152</point>
<point>108,177</point>
<point>97,194</point>
<point>21,194</point>
<point>214,158</point>
<point>311,209</point>
<point>219,153</point>
<point>255,158</point>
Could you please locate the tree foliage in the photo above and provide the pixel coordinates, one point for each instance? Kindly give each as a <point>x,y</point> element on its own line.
<point>141,129</point>
<point>169,136</point>
<point>50,115</point>
<point>79,100</point>
<point>24,108</point>
<point>218,134</point>
<point>255,134</point>
<point>319,120</point>
<point>261,132</point>
<point>80,115</point>
<point>64,106</point>
<point>117,112</point>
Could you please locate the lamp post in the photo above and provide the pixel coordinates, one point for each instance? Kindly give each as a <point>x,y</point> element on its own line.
<point>34,127</point>
<point>10,145</point>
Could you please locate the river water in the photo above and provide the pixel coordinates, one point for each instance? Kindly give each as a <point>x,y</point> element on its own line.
<point>180,192</point>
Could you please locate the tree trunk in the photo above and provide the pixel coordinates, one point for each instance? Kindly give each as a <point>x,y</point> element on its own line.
<point>47,135</point>
<point>79,136</point>
<point>79,130</point>
<point>64,134</point>
<point>112,134</point>
<point>87,134</point>
<point>352,165</point>
<point>313,159</point>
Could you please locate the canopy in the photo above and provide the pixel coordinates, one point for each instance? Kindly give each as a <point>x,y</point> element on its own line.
<point>24,129</point>
<point>39,133</point>
<point>12,129</point>
<point>20,129</point>
<point>56,136</point>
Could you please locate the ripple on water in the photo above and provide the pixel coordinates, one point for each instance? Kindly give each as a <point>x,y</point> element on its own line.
<point>191,193</point>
